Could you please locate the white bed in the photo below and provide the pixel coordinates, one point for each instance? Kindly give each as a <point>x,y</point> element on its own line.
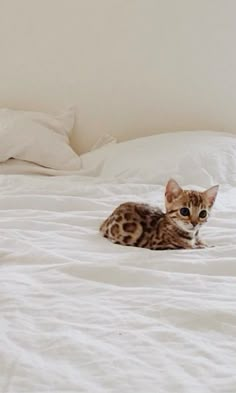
<point>79,314</point>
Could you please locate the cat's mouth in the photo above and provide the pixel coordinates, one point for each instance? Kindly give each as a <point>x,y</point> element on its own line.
<point>189,227</point>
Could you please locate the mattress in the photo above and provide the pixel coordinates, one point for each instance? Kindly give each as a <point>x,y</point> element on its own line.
<point>80,314</point>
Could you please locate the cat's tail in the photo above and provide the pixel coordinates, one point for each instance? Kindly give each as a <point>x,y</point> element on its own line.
<point>102,228</point>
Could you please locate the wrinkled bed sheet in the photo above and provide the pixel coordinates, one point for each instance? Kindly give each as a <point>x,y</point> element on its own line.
<point>79,314</point>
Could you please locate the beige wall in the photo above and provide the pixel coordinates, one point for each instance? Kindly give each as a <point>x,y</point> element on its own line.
<point>133,67</point>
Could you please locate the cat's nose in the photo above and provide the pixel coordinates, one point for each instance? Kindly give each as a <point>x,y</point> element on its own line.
<point>194,223</point>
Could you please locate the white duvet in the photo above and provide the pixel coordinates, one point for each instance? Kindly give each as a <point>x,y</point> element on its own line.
<point>79,314</point>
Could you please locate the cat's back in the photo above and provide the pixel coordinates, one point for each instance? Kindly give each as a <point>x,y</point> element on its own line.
<point>131,211</point>
<point>142,211</point>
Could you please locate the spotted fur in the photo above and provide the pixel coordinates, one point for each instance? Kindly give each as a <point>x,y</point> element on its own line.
<point>141,225</point>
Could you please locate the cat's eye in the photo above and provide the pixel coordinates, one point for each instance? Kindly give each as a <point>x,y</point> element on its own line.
<point>184,211</point>
<point>203,214</point>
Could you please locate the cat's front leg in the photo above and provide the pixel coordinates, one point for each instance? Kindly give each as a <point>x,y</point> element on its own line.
<point>200,243</point>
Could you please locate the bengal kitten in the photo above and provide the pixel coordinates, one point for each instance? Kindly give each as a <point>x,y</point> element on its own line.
<point>141,225</point>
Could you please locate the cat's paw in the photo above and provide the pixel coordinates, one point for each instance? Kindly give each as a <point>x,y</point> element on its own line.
<point>201,244</point>
<point>204,245</point>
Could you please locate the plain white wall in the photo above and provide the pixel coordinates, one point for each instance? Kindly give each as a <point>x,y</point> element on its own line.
<point>132,67</point>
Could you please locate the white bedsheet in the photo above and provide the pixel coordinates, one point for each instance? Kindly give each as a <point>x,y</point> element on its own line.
<point>79,314</point>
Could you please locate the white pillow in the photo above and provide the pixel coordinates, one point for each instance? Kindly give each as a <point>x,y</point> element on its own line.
<point>196,157</point>
<point>38,137</point>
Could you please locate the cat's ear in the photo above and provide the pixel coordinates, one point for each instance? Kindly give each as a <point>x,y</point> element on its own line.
<point>211,194</point>
<point>173,190</point>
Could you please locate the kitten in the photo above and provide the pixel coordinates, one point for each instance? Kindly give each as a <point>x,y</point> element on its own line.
<point>141,225</point>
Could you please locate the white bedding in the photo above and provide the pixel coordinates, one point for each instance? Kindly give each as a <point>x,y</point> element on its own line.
<point>79,314</point>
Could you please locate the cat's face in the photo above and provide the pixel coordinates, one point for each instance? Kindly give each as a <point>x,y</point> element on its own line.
<point>189,209</point>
